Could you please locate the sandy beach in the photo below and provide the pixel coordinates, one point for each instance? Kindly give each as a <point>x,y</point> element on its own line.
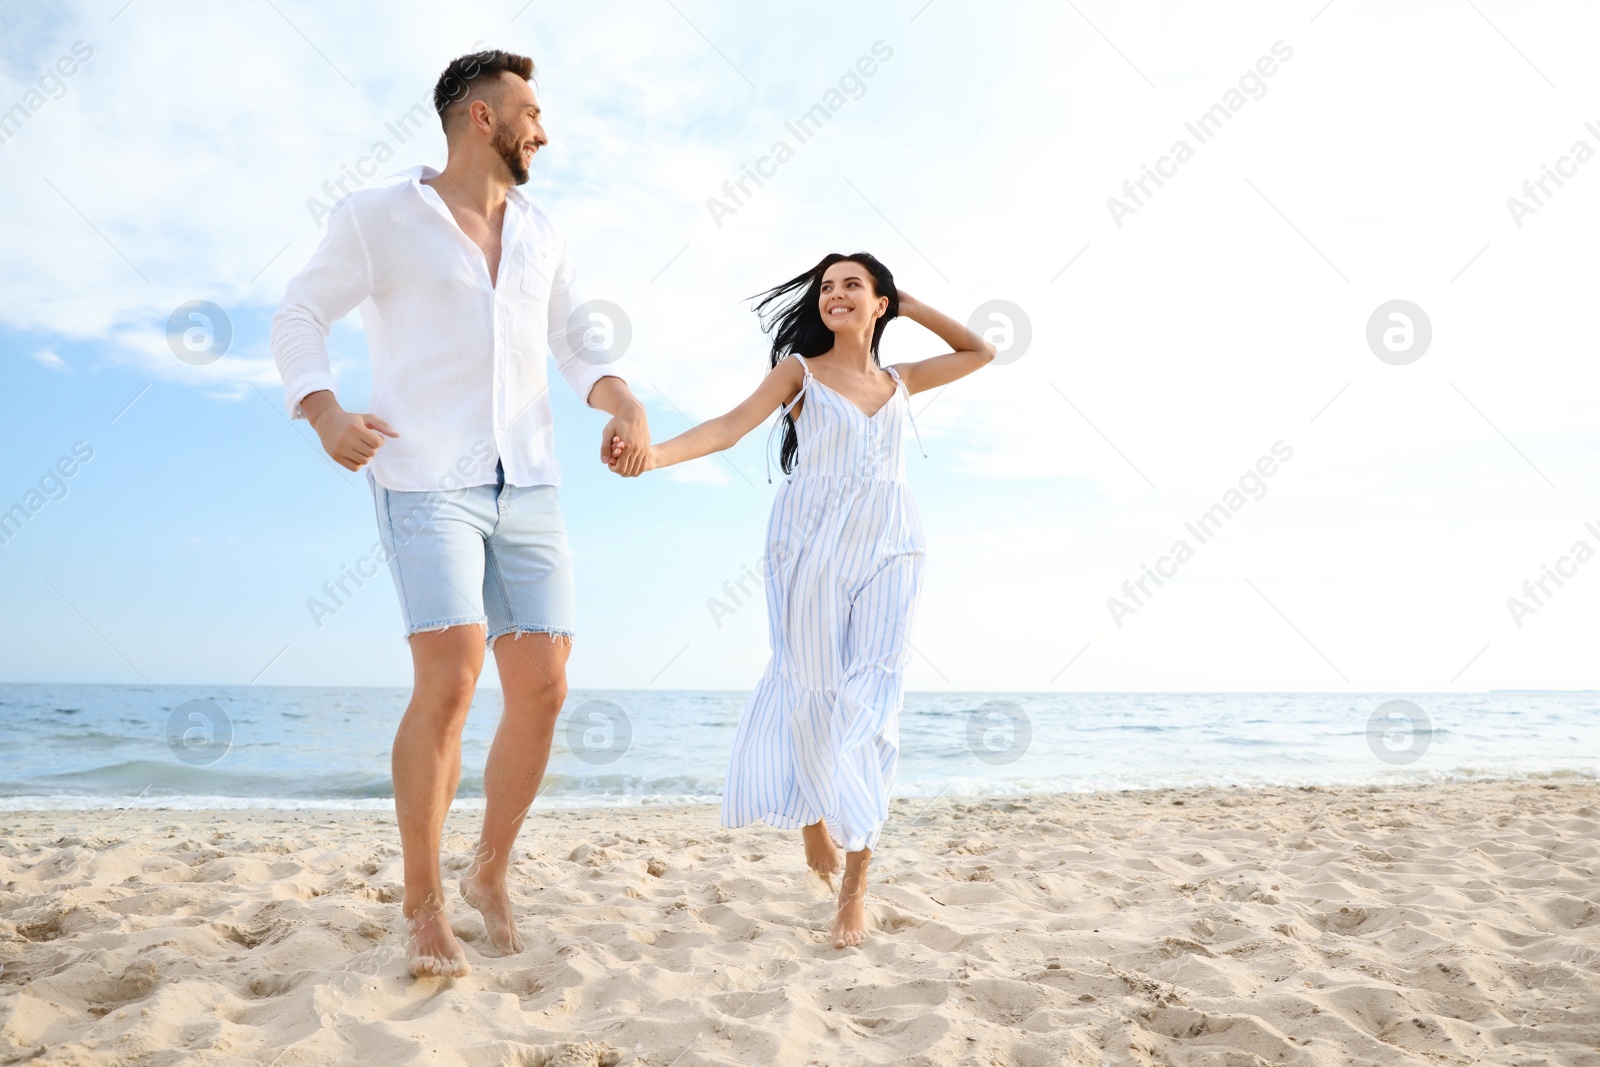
<point>1441,924</point>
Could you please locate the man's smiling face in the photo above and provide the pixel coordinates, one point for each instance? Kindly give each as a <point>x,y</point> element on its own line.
<point>518,132</point>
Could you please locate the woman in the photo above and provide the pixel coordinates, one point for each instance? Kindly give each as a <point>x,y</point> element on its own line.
<point>817,744</point>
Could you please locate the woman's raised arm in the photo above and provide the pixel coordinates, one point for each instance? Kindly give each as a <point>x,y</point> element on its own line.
<point>970,350</point>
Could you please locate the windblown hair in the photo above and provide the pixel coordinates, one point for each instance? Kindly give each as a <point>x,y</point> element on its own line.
<point>790,313</point>
<point>456,83</point>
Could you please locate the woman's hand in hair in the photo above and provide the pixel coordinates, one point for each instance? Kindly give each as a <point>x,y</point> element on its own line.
<point>968,351</point>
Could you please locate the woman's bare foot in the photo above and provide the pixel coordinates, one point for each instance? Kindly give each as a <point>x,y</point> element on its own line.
<point>850,922</point>
<point>822,855</point>
<point>494,904</point>
<point>431,946</point>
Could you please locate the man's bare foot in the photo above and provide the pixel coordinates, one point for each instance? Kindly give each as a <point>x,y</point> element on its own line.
<point>431,947</point>
<point>494,904</point>
<point>850,921</point>
<point>822,855</point>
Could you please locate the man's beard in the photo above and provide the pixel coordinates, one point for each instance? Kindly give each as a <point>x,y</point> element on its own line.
<point>510,149</point>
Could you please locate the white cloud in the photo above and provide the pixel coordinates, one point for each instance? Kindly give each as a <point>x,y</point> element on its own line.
<point>50,359</point>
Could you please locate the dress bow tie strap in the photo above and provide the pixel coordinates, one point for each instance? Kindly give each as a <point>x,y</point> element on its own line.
<point>902,385</point>
<point>783,412</point>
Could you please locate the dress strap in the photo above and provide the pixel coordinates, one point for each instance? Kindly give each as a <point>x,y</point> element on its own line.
<point>902,385</point>
<point>784,411</point>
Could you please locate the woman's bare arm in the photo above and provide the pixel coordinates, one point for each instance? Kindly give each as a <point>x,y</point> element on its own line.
<point>970,351</point>
<point>725,431</point>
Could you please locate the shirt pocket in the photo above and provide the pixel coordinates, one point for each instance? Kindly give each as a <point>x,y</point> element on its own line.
<point>538,271</point>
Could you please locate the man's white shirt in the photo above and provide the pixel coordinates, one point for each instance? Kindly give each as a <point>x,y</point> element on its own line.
<point>458,363</point>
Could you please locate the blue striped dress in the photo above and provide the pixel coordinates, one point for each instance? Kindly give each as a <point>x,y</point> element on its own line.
<point>819,738</point>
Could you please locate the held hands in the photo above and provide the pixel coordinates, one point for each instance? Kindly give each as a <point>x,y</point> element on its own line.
<point>625,444</point>
<point>621,455</point>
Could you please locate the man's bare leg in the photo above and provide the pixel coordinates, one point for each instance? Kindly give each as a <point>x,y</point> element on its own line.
<point>533,676</point>
<point>850,922</point>
<point>426,764</point>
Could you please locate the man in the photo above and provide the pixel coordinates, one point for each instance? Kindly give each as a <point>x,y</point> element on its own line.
<point>461,281</point>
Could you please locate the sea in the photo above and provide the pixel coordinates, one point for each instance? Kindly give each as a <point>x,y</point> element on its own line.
<point>219,747</point>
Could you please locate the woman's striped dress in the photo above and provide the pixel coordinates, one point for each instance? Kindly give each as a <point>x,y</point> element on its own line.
<point>845,552</point>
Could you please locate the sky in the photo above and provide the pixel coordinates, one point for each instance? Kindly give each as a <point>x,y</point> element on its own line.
<point>1219,342</point>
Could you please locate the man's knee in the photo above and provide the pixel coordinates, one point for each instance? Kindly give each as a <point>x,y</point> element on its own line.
<point>539,653</point>
<point>533,668</point>
<point>448,663</point>
<point>547,692</point>
<point>454,690</point>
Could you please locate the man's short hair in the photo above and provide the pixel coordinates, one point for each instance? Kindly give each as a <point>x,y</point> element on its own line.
<point>455,84</point>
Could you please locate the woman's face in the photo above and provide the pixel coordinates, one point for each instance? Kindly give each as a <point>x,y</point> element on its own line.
<point>848,303</point>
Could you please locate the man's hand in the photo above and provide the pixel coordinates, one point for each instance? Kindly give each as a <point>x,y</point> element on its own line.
<point>350,438</point>
<point>618,451</point>
<point>625,443</point>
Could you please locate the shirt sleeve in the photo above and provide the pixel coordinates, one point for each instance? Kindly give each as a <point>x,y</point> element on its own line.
<point>583,365</point>
<point>337,278</point>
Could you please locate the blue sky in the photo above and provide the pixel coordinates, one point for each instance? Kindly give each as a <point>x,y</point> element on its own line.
<point>1168,353</point>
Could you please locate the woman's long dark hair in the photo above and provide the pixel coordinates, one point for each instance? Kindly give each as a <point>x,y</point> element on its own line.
<point>789,312</point>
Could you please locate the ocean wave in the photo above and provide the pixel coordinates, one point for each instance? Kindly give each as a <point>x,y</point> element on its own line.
<point>625,791</point>
<point>105,746</point>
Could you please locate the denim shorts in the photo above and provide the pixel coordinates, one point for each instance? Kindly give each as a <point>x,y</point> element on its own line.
<point>492,554</point>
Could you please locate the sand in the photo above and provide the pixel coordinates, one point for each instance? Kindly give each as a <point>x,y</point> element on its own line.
<point>1442,924</point>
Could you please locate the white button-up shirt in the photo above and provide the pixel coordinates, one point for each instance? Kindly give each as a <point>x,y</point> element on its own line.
<point>458,362</point>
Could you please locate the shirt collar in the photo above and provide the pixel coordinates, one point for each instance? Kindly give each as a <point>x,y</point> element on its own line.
<point>415,175</point>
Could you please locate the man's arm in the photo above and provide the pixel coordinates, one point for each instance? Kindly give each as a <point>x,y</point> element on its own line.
<point>336,279</point>
<point>628,432</point>
<point>328,287</point>
<point>591,375</point>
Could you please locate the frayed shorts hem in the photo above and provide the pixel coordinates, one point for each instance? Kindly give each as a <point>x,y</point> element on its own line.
<point>444,624</point>
<point>489,639</point>
<point>553,631</point>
